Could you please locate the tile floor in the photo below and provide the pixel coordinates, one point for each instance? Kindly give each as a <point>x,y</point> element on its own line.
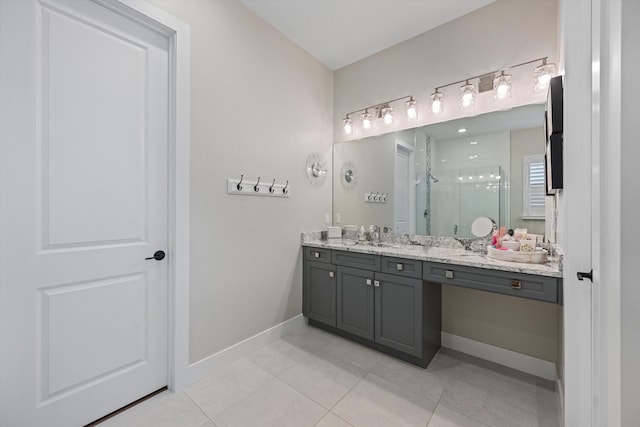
<point>313,378</point>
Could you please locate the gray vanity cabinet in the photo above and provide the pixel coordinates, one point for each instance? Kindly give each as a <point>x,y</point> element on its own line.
<point>355,301</point>
<point>320,292</point>
<point>378,301</point>
<point>398,313</point>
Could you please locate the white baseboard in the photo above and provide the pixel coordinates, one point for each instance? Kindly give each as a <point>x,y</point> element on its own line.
<point>502,356</point>
<point>560,388</point>
<point>211,364</point>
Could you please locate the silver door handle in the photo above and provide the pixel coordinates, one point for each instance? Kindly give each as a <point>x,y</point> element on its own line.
<point>376,283</point>
<point>369,282</point>
<point>331,274</point>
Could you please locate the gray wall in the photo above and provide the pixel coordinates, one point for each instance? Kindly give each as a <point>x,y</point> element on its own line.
<point>498,35</point>
<point>521,325</point>
<point>259,105</point>
<point>630,212</point>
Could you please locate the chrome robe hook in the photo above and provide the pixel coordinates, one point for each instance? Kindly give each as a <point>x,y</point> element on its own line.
<point>239,186</point>
<point>272,184</point>
<point>255,187</point>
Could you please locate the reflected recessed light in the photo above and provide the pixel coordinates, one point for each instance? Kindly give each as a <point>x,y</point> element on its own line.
<point>470,177</point>
<point>462,130</point>
<point>480,176</point>
<point>473,142</point>
<point>471,157</point>
<point>443,160</point>
<point>460,178</point>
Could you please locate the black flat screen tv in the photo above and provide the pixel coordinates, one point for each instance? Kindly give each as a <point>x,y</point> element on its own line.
<point>553,121</point>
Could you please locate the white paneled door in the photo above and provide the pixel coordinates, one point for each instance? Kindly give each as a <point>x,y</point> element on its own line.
<point>83,192</point>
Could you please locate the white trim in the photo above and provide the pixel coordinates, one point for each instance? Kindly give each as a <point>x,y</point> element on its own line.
<point>606,208</point>
<point>560,390</point>
<point>179,188</point>
<point>522,362</point>
<point>219,360</point>
<point>575,205</point>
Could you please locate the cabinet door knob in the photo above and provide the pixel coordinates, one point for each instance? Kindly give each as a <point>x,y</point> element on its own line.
<point>331,274</point>
<point>376,283</point>
<point>399,267</point>
<point>369,282</point>
<point>516,284</point>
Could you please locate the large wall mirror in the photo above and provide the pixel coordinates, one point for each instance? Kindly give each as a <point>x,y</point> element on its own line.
<point>437,179</point>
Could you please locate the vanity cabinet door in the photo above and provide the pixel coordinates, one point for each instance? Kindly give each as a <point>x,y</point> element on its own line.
<point>398,313</point>
<point>355,301</point>
<point>319,292</point>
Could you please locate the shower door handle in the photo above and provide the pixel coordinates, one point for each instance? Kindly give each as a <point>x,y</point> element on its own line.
<point>455,229</point>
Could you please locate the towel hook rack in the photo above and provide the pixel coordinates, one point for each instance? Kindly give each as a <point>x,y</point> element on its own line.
<point>255,187</point>
<point>272,184</point>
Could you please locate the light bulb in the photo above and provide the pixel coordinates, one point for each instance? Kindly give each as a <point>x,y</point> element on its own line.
<point>347,125</point>
<point>502,86</point>
<point>467,95</point>
<point>387,115</point>
<point>437,106</point>
<point>542,75</point>
<point>367,119</point>
<point>412,109</point>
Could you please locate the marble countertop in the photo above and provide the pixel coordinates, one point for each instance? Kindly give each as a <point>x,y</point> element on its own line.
<point>447,255</point>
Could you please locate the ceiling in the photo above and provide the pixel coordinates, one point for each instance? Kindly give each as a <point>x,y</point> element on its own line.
<point>340,32</point>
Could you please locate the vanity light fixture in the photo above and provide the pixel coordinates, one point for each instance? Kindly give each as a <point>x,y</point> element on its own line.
<point>467,94</point>
<point>502,86</point>
<point>542,75</point>
<point>382,111</point>
<point>412,109</point>
<point>387,115</point>
<point>347,125</point>
<point>367,119</point>
<point>436,98</point>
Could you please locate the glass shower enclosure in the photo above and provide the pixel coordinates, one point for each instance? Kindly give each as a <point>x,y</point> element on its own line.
<point>448,201</point>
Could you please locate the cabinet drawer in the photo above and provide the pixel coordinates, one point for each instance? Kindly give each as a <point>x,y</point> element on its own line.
<point>401,267</point>
<point>317,254</point>
<point>540,288</point>
<point>356,260</point>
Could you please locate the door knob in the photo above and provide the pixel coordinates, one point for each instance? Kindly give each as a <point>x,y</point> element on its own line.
<point>158,256</point>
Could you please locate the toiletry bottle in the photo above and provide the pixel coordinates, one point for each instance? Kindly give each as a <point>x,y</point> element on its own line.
<point>361,235</point>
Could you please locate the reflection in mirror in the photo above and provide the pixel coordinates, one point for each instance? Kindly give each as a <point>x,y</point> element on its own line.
<point>441,179</point>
